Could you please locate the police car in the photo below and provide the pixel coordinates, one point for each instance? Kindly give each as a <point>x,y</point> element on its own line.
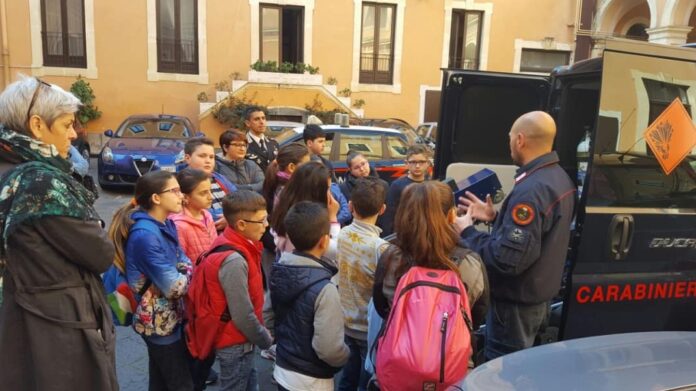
<point>384,148</point>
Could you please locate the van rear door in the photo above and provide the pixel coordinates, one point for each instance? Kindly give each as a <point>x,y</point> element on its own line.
<point>477,112</point>
<point>634,258</point>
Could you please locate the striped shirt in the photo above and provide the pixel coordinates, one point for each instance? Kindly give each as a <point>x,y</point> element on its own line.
<point>218,195</point>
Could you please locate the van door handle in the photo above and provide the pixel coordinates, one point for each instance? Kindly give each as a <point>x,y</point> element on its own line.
<point>620,236</point>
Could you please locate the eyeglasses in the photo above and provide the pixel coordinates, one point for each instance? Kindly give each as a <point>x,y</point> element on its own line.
<point>239,145</point>
<point>174,190</point>
<point>36,94</point>
<point>264,221</point>
<point>417,162</point>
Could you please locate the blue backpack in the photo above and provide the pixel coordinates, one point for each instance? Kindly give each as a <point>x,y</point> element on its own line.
<point>120,297</point>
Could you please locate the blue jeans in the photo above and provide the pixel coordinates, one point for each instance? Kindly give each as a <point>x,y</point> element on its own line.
<point>354,375</point>
<point>512,326</point>
<point>237,370</point>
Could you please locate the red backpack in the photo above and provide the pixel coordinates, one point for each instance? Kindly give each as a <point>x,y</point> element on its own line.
<point>426,342</point>
<point>203,325</point>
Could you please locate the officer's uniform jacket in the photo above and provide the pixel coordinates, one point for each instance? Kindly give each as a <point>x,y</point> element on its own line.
<point>262,157</point>
<point>526,249</point>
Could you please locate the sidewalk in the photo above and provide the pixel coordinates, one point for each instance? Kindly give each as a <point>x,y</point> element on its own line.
<point>132,364</point>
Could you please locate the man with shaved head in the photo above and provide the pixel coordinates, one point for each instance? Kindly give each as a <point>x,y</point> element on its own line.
<point>526,248</point>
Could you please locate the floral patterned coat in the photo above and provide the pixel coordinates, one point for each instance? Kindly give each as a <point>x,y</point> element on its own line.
<point>153,254</point>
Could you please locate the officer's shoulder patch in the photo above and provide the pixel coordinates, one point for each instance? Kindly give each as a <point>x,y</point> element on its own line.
<point>523,214</point>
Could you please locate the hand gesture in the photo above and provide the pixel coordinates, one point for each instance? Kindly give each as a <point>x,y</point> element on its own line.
<point>332,205</point>
<point>464,221</point>
<point>482,211</point>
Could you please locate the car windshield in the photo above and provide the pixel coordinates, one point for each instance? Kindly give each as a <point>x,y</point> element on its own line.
<point>154,128</point>
<point>422,130</point>
<point>285,135</point>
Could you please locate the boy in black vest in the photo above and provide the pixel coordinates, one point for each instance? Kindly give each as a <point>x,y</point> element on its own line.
<point>309,320</point>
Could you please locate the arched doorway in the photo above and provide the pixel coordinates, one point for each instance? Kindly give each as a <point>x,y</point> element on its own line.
<point>691,37</point>
<point>637,31</point>
<point>633,21</point>
<point>617,16</point>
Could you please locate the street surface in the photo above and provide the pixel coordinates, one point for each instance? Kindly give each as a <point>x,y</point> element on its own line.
<point>131,353</point>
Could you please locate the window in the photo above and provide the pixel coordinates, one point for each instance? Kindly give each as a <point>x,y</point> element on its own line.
<point>63,33</point>
<point>377,44</point>
<point>661,94</point>
<point>177,36</point>
<point>543,61</point>
<point>397,147</point>
<point>282,34</point>
<point>368,145</point>
<point>465,39</point>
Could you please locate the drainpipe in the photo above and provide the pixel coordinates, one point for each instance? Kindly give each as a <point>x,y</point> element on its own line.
<point>5,45</point>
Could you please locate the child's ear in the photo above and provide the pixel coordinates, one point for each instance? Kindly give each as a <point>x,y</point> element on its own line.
<point>382,209</point>
<point>324,243</point>
<point>155,199</point>
<point>350,207</point>
<point>239,225</point>
<point>187,158</point>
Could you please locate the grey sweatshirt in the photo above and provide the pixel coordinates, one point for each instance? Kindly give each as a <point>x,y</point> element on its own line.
<point>234,277</point>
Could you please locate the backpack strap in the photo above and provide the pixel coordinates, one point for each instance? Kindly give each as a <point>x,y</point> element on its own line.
<point>380,301</point>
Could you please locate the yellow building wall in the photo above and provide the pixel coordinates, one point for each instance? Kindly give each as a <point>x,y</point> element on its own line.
<point>121,34</point>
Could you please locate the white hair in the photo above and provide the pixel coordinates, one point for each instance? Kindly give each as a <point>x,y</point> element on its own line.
<point>50,103</point>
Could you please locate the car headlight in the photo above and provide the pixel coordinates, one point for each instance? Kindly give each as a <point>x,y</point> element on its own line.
<point>107,155</point>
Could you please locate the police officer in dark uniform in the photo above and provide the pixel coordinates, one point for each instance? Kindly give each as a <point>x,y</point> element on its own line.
<point>261,149</point>
<point>526,249</point>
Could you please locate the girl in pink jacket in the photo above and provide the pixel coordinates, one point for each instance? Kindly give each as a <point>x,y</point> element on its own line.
<point>194,224</point>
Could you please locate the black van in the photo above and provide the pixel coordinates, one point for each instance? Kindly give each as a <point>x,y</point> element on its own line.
<point>632,256</point>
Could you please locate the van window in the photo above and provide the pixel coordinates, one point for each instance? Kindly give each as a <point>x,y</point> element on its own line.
<point>624,171</point>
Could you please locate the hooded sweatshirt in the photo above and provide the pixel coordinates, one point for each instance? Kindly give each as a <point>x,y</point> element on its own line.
<point>309,320</point>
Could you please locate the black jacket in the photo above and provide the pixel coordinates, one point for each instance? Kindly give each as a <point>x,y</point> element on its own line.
<point>262,157</point>
<point>526,249</point>
<point>294,291</point>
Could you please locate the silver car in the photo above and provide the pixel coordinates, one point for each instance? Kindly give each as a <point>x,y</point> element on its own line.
<point>663,360</point>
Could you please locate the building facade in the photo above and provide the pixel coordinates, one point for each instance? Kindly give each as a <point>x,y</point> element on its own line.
<point>175,56</point>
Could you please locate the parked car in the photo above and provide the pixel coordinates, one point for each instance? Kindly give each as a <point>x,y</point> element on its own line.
<point>426,133</point>
<point>81,142</point>
<point>633,361</point>
<point>384,148</point>
<point>274,128</point>
<point>392,123</point>
<point>142,143</point>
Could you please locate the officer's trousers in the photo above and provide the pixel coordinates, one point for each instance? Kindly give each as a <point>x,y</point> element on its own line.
<point>512,326</point>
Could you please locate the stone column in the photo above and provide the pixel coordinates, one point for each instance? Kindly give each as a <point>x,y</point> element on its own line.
<point>669,35</point>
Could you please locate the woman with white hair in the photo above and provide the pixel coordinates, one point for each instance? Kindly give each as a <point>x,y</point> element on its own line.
<point>56,330</point>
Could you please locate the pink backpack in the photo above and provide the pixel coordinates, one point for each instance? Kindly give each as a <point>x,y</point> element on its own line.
<point>426,343</point>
